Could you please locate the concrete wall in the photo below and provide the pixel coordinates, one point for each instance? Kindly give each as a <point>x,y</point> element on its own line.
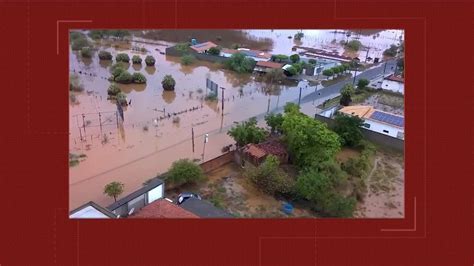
<point>217,162</point>
<point>393,86</point>
<point>375,137</point>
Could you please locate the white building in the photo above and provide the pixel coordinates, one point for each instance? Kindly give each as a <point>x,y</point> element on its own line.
<point>394,83</point>
<point>378,121</point>
<point>91,210</point>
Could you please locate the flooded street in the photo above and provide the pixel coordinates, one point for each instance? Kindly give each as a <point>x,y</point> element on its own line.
<point>149,140</point>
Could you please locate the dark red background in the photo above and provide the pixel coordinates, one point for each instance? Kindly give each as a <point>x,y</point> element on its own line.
<point>35,229</point>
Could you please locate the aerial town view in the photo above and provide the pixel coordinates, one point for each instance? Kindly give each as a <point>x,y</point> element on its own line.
<point>236,123</point>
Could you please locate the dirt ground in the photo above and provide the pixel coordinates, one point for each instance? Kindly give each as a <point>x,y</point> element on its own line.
<point>386,102</point>
<point>227,189</point>
<point>385,188</point>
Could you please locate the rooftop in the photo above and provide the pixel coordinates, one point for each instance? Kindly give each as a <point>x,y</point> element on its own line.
<point>269,64</point>
<point>368,112</point>
<point>202,47</point>
<point>91,210</point>
<point>397,78</point>
<point>204,209</point>
<point>163,209</point>
<point>151,185</point>
<point>255,151</point>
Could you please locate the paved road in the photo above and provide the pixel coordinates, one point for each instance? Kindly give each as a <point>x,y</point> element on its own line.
<point>334,90</point>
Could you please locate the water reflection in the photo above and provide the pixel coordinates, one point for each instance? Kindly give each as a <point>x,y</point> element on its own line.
<point>127,88</point>
<point>137,67</point>
<point>105,63</point>
<point>168,96</point>
<point>236,79</point>
<point>150,70</point>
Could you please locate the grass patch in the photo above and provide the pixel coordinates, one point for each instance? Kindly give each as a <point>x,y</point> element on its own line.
<point>391,100</point>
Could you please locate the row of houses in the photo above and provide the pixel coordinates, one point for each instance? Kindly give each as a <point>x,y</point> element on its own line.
<point>149,202</point>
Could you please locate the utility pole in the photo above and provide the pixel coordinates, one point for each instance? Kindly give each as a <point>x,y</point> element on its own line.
<point>100,123</point>
<point>367,55</point>
<point>222,88</point>
<point>84,124</point>
<point>206,139</point>
<point>355,74</point>
<point>192,135</point>
<point>299,97</point>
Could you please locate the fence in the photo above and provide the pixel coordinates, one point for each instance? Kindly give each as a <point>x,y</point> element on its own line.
<point>375,137</point>
<point>217,162</point>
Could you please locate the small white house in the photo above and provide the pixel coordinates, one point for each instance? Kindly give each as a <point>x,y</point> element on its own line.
<point>91,210</point>
<point>378,121</point>
<point>393,83</point>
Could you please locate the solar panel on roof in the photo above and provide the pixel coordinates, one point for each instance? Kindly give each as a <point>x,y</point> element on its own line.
<point>388,118</point>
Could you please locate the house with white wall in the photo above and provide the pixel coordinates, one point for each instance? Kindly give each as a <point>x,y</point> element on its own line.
<point>393,83</point>
<point>378,121</point>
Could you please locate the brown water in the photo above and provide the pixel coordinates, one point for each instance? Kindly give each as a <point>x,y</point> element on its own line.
<point>146,143</point>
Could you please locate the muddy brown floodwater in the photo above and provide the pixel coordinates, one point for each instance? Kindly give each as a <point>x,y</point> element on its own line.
<point>147,141</point>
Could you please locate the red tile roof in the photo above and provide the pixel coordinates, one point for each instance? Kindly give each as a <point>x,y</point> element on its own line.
<point>256,152</point>
<point>397,78</point>
<point>269,64</point>
<point>163,209</point>
<point>273,147</point>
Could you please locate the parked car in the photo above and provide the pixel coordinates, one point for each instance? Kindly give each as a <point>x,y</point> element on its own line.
<point>186,195</point>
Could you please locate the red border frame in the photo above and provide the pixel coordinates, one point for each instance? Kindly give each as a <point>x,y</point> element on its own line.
<point>37,224</point>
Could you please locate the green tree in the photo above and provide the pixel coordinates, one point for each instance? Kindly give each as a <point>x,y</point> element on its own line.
<point>150,60</point>
<point>187,59</point>
<point>136,59</point>
<point>291,108</point>
<point>292,70</point>
<point>240,63</point>
<point>121,98</point>
<point>354,45</point>
<point>392,51</point>
<point>247,132</point>
<point>275,75</point>
<point>139,78</point>
<point>328,73</point>
<point>335,70</point>
<point>104,55</point>
<point>182,47</point>
<point>79,42</point>
<point>309,141</point>
<point>214,51</point>
<point>280,58</point>
<point>86,52</point>
<point>122,57</point>
<point>294,58</point>
<point>346,67</point>
<point>184,171</point>
<point>75,84</point>
<point>362,83</point>
<point>114,189</point>
<point>346,94</point>
<point>117,69</point>
<point>168,83</point>
<point>312,61</point>
<point>299,35</point>
<point>348,129</point>
<point>274,121</point>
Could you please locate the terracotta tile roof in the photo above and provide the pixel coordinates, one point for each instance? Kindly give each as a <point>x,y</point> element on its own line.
<point>201,47</point>
<point>361,111</point>
<point>274,147</point>
<point>397,78</point>
<point>163,209</point>
<point>269,64</point>
<point>254,151</point>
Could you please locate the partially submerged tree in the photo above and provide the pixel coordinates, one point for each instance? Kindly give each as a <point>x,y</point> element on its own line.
<point>240,63</point>
<point>168,83</point>
<point>136,59</point>
<point>354,45</point>
<point>124,77</point>
<point>150,60</point>
<point>122,57</point>
<point>114,189</point>
<point>247,132</point>
<point>138,78</point>
<point>113,90</point>
<point>86,52</point>
<point>104,55</point>
<point>187,59</point>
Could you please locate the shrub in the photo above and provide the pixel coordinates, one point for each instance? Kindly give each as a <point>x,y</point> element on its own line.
<point>291,70</point>
<point>294,58</point>
<point>79,43</point>
<point>328,72</point>
<point>312,61</point>
<point>113,90</point>
<point>184,171</point>
<point>104,55</point>
<point>187,59</point>
<point>346,94</point>
<point>348,129</point>
<point>392,51</point>
<point>86,52</point>
<point>281,58</point>
<point>168,83</point>
<point>362,83</point>
<point>136,59</point>
<point>121,98</point>
<point>214,51</point>
<point>122,57</point>
<point>354,45</point>
<point>139,78</point>
<point>124,77</point>
<point>150,60</point>
<point>274,121</point>
<point>270,178</point>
